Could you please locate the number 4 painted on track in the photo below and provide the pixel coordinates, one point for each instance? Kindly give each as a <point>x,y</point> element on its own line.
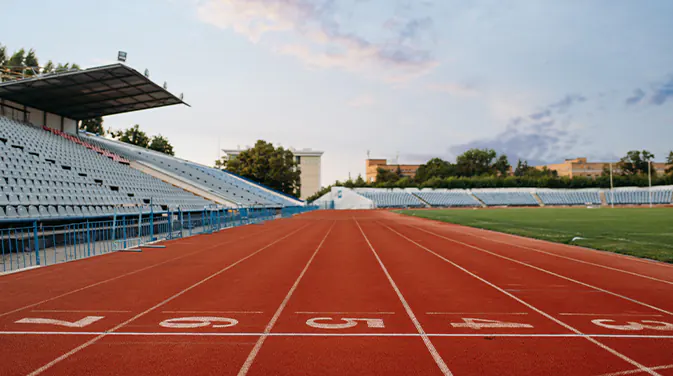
<point>484,323</point>
<point>68,324</point>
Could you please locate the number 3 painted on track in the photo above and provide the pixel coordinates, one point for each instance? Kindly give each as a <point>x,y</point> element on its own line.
<point>198,322</point>
<point>643,324</point>
<point>349,323</point>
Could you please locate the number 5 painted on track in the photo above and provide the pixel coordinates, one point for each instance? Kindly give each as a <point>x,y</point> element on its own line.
<point>349,323</point>
<point>484,323</point>
<point>198,322</point>
<point>631,325</point>
<point>68,324</point>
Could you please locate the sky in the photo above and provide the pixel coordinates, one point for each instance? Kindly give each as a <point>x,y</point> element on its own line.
<point>404,80</point>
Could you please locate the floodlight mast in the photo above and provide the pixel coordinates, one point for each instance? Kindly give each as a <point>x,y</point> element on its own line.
<point>612,192</point>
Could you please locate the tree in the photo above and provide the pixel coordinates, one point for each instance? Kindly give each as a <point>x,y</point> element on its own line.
<point>48,68</point>
<point>475,162</point>
<point>16,63</point>
<point>133,136</point>
<point>386,176</point>
<point>94,125</point>
<point>669,163</point>
<point>3,55</point>
<point>160,143</point>
<point>635,162</point>
<point>435,168</point>
<point>360,182</point>
<point>502,166</point>
<point>31,63</point>
<point>273,167</point>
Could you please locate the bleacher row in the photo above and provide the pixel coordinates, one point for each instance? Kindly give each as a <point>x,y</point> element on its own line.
<point>45,173</point>
<point>211,179</point>
<point>414,198</point>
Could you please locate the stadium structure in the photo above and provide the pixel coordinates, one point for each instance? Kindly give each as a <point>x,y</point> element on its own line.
<point>52,175</point>
<point>370,198</point>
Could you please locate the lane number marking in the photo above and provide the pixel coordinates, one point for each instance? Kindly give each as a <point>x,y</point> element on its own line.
<point>349,323</point>
<point>484,323</point>
<point>68,324</point>
<point>633,325</point>
<point>198,322</point>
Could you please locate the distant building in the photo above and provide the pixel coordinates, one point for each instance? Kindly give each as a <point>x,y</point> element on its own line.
<point>581,167</point>
<point>372,165</point>
<point>310,164</point>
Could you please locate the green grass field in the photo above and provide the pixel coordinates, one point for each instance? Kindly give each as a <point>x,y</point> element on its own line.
<point>641,232</point>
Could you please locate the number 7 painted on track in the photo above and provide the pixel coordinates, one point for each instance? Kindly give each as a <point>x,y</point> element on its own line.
<point>68,324</point>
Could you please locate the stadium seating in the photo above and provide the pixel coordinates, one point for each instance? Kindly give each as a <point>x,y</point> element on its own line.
<point>447,198</point>
<point>392,199</point>
<point>227,186</point>
<point>46,175</point>
<point>504,197</point>
<point>638,196</point>
<point>569,197</point>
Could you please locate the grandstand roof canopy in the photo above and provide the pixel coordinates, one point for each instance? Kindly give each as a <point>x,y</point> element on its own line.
<point>85,94</point>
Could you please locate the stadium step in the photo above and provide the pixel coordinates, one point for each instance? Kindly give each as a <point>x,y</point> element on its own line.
<point>538,199</point>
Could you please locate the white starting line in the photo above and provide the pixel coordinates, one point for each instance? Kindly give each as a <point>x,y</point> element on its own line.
<point>254,334</point>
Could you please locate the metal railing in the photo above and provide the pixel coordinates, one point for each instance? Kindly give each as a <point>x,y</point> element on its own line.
<point>27,244</point>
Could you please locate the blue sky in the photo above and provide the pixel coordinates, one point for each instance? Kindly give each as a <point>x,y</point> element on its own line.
<point>539,80</point>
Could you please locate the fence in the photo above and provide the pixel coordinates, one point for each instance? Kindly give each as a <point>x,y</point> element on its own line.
<point>39,244</point>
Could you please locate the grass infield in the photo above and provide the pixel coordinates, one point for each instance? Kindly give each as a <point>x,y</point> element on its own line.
<point>641,232</point>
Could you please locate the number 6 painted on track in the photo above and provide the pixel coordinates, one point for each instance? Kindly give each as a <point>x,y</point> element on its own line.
<point>631,325</point>
<point>198,322</point>
<point>349,323</point>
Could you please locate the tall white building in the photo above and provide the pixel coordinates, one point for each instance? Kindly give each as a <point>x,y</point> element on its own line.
<point>310,164</point>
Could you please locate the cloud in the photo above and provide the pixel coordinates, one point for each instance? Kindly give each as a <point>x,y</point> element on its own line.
<point>399,48</point>
<point>637,96</point>
<point>456,89</point>
<point>540,137</point>
<point>364,100</point>
<point>662,92</point>
<point>658,94</point>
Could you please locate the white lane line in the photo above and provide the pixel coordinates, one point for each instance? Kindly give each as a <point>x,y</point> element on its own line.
<point>552,318</point>
<point>225,312</point>
<point>94,340</point>
<point>282,334</point>
<point>476,313</point>
<point>267,330</point>
<point>609,314</point>
<point>78,311</point>
<point>125,275</point>
<point>577,260</point>
<point>344,313</point>
<point>547,271</point>
<point>636,371</point>
<point>426,340</point>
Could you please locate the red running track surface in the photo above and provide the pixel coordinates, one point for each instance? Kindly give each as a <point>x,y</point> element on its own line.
<point>352,292</point>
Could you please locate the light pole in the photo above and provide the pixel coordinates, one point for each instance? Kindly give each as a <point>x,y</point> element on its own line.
<point>649,178</point>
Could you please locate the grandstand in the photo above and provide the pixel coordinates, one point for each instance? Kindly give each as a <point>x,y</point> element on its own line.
<point>447,198</point>
<point>391,198</point>
<point>46,175</point>
<point>569,196</point>
<point>639,196</point>
<point>489,197</point>
<point>227,188</point>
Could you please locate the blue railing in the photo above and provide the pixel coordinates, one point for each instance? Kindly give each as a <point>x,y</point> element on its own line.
<point>40,243</point>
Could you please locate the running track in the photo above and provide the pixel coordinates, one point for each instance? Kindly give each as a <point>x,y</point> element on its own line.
<point>351,292</point>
